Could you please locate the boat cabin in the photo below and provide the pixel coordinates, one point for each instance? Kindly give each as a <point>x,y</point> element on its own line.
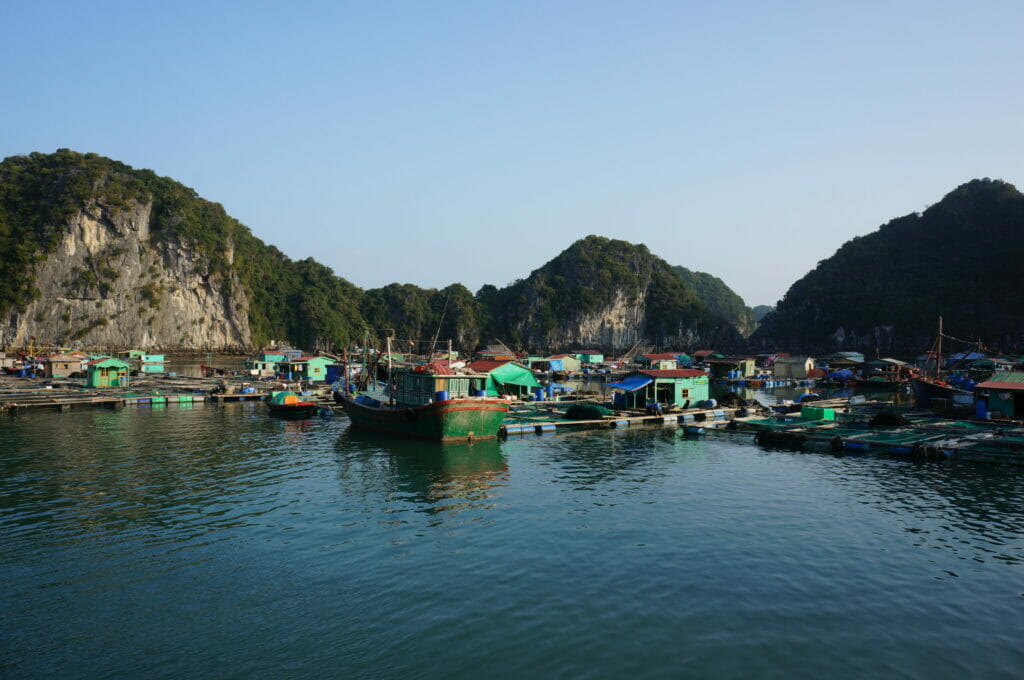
<point>414,388</point>
<point>681,387</point>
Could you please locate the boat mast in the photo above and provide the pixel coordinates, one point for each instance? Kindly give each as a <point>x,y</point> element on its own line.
<point>449,354</point>
<point>366,359</point>
<point>938,352</point>
<point>391,392</point>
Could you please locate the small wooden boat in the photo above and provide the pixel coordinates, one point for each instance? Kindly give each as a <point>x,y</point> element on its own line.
<point>290,405</point>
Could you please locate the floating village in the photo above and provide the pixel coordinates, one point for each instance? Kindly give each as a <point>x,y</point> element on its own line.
<point>967,404</point>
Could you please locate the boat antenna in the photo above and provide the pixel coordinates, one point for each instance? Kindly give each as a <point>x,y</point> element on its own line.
<point>433,343</point>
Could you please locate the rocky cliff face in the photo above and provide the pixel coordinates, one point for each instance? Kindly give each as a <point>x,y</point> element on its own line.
<point>606,294</point>
<point>108,285</point>
<point>618,324</point>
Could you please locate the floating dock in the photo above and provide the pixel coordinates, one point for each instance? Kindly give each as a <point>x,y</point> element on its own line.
<point>694,421</point>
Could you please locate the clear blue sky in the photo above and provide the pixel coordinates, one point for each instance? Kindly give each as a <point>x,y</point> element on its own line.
<point>431,142</point>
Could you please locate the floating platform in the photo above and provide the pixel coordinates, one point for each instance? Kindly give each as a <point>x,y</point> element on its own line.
<point>694,421</point>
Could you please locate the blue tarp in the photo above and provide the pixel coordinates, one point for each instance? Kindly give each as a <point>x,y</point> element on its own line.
<point>631,383</point>
<point>555,365</point>
<point>841,374</point>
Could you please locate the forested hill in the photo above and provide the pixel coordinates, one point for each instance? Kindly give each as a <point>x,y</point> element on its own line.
<point>609,294</point>
<point>720,299</point>
<point>961,259</point>
<point>94,253</point>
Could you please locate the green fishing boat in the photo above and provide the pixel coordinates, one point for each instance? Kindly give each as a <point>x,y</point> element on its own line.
<point>431,402</point>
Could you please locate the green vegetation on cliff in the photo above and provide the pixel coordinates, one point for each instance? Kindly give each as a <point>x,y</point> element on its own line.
<point>719,298</point>
<point>960,258</point>
<point>305,303</point>
<point>299,301</point>
<point>593,275</point>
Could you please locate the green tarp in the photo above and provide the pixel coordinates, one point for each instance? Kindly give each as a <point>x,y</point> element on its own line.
<point>510,374</point>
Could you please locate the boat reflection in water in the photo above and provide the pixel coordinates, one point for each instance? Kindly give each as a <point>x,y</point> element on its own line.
<point>437,478</point>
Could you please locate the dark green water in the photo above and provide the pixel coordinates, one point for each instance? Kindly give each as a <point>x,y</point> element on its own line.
<point>215,542</point>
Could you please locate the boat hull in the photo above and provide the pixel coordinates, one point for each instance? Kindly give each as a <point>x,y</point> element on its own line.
<point>452,420</point>
<point>926,390</point>
<point>300,410</point>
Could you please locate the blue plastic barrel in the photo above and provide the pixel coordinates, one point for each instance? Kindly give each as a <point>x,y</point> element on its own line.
<point>480,393</point>
<point>441,395</point>
<point>551,391</point>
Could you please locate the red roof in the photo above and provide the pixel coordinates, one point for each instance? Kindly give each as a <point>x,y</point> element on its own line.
<point>674,373</point>
<point>703,352</point>
<point>441,367</point>
<point>665,356</point>
<point>997,385</point>
<point>560,356</point>
<point>485,365</point>
<point>102,359</point>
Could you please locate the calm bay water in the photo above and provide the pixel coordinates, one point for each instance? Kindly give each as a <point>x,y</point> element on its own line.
<point>215,542</point>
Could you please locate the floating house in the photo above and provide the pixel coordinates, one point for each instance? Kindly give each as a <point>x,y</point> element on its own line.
<point>681,387</point>
<point>265,365</point>
<point>497,354</point>
<point>107,372</point>
<point>732,367</point>
<point>666,361</point>
<point>845,360</point>
<point>705,354</point>
<point>6,361</point>
<point>313,369</point>
<point>568,363</point>
<point>795,368</point>
<point>590,356</point>
<point>505,378</point>
<point>61,365</point>
<point>1002,395</point>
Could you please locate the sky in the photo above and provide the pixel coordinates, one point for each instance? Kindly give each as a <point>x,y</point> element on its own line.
<point>434,142</point>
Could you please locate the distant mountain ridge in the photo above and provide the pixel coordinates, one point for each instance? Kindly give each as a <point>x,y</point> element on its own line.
<point>961,259</point>
<point>95,253</point>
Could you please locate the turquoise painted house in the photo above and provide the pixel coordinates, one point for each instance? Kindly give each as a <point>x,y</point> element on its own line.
<point>680,387</point>
<point>107,372</point>
<point>1002,394</point>
<point>590,356</point>
<point>265,364</point>
<point>506,378</point>
<point>313,369</point>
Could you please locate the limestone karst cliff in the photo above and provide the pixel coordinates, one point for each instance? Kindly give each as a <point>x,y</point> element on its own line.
<point>607,294</point>
<point>107,284</point>
<point>94,253</point>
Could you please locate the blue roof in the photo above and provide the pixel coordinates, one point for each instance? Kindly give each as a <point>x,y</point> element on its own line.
<point>631,383</point>
<point>967,355</point>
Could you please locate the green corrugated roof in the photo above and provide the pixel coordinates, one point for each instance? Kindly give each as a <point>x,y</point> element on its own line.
<point>1007,376</point>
